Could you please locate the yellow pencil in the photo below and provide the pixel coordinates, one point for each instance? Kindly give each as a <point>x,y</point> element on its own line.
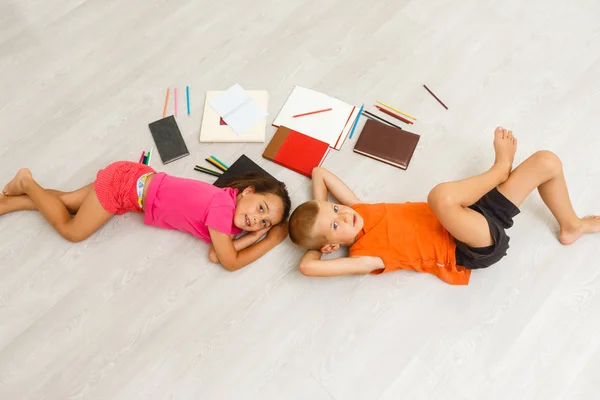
<point>395,109</point>
<point>216,164</point>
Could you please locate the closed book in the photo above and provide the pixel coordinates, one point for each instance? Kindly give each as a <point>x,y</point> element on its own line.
<point>238,169</point>
<point>387,144</point>
<point>296,151</point>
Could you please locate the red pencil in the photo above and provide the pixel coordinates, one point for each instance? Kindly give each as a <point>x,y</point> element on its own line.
<point>312,112</point>
<point>142,157</point>
<point>394,115</point>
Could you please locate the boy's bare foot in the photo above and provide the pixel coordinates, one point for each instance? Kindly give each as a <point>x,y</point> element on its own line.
<point>15,187</point>
<point>505,145</point>
<point>589,224</point>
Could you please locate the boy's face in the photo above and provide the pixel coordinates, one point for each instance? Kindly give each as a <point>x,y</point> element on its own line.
<point>339,224</point>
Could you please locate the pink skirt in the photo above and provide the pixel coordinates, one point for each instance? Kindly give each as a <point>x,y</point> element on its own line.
<point>115,186</point>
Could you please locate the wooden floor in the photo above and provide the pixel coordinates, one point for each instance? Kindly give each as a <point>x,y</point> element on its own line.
<point>139,313</point>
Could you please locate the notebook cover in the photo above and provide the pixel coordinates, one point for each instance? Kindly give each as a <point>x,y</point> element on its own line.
<point>168,139</point>
<point>296,151</point>
<point>215,130</point>
<point>387,144</point>
<point>239,168</point>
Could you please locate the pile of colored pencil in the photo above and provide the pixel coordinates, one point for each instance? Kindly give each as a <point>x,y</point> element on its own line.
<point>217,163</point>
<point>145,157</point>
<point>404,117</point>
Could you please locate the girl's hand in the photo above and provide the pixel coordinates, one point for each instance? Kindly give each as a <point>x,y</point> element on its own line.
<point>258,234</point>
<point>279,232</point>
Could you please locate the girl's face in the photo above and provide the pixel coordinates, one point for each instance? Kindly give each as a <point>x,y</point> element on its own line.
<point>255,211</point>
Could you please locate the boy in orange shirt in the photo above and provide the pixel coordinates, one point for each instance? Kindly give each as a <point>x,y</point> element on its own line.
<point>461,227</point>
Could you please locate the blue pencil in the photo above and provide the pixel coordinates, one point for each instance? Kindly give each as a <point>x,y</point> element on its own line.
<point>187,95</point>
<point>356,122</point>
<point>219,161</point>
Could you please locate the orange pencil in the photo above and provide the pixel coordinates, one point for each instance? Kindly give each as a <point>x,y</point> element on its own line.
<point>166,103</point>
<point>312,112</point>
<point>394,115</point>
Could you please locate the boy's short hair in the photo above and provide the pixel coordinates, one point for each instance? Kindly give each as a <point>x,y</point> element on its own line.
<point>302,223</point>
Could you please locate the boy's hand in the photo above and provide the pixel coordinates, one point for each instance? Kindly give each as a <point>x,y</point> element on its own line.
<point>324,182</point>
<point>278,233</point>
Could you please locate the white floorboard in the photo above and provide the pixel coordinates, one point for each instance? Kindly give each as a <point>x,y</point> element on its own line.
<point>140,313</point>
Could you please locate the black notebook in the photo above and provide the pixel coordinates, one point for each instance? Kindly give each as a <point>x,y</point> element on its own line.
<point>239,168</point>
<point>168,139</point>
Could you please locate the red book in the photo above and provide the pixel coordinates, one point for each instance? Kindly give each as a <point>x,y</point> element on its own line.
<point>296,151</point>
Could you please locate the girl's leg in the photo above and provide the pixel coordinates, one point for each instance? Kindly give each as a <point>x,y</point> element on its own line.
<point>543,170</point>
<point>89,218</point>
<point>71,200</point>
<point>449,201</point>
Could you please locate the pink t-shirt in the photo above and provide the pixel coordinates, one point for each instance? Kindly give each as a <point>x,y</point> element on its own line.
<point>190,206</point>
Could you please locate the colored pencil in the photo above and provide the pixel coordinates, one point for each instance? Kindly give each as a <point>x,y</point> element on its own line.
<point>142,157</point>
<point>219,161</point>
<point>187,96</point>
<point>206,171</point>
<point>312,112</point>
<point>372,116</point>
<point>166,103</point>
<point>216,164</point>
<point>383,110</point>
<point>395,109</point>
<point>145,160</point>
<point>431,93</point>
<point>356,121</point>
<point>150,154</point>
<point>175,97</point>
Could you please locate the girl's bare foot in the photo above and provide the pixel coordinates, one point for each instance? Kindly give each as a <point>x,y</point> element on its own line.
<point>9,204</point>
<point>505,145</point>
<point>15,187</point>
<point>589,224</point>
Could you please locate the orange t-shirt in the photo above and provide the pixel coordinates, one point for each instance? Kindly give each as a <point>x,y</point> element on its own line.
<point>408,236</point>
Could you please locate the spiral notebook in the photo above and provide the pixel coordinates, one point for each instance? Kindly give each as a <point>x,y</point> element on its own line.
<point>331,127</point>
<point>387,144</point>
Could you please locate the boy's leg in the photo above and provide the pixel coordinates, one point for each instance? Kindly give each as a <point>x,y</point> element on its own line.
<point>71,200</point>
<point>450,201</point>
<point>543,170</point>
<point>89,218</point>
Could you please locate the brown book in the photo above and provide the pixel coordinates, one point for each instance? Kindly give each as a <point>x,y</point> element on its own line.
<point>387,144</point>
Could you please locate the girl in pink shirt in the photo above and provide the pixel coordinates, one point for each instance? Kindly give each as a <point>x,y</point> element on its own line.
<point>253,203</point>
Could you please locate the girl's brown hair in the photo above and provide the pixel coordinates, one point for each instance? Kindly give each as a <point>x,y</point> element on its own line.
<point>262,184</point>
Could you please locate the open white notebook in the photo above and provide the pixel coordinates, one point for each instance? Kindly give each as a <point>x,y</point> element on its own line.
<point>212,131</point>
<point>330,127</point>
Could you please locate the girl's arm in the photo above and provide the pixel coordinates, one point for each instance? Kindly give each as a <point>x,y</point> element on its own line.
<point>324,181</point>
<point>231,259</point>
<point>240,243</point>
<point>312,265</point>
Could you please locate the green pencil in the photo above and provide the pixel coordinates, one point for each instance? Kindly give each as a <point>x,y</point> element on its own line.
<point>150,154</point>
<point>207,171</point>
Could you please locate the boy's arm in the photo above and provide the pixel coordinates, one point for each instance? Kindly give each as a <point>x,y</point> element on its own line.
<point>324,181</point>
<point>312,265</point>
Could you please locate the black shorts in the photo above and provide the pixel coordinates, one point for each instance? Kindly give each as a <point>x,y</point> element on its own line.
<point>499,213</point>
